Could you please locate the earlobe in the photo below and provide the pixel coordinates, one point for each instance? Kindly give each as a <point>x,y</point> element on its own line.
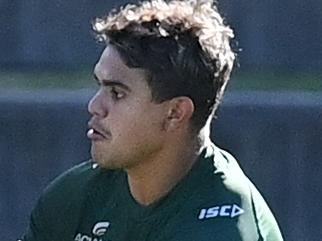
<point>180,112</point>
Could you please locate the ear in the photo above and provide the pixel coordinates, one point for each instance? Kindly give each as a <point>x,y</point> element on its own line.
<point>180,111</point>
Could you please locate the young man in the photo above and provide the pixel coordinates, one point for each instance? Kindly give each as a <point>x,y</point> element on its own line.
<point>155,174</point>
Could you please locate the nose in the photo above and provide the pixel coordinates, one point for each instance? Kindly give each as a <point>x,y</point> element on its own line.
<point>96,106</point>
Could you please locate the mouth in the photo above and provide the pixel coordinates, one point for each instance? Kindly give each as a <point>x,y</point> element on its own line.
<point>94,135</point>
<point>97,134</point>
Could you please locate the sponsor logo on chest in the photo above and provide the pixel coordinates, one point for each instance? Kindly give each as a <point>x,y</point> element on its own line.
<point>98,231</point>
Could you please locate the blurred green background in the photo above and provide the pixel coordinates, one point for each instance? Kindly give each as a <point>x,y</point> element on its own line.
<point>280,43</point>
<point>79,79</point>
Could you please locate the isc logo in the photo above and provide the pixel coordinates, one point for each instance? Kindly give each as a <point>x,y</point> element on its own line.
<point>221,211</point>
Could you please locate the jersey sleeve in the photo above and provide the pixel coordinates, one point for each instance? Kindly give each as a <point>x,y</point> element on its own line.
<point>265,220</point>
<point>58,210</point>
<point>37,229</point>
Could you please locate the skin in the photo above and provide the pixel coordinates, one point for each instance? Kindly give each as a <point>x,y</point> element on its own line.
<point>151,141</point>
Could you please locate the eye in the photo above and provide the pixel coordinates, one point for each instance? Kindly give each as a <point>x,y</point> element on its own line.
<point>116,95</point>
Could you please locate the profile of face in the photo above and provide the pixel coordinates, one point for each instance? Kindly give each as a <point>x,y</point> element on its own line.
<point>127,126</point>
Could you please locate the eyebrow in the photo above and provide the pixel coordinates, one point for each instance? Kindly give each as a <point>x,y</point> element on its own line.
<point>110,82</point>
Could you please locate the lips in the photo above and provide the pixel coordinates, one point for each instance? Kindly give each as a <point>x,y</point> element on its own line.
<point>96,132</point>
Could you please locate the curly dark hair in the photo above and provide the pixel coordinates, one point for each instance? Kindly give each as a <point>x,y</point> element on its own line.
<point>183,45</point>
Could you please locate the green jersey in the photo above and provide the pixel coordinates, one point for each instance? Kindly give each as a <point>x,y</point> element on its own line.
<point>215,201</point>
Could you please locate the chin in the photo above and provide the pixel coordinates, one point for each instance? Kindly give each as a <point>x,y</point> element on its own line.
<point>106,162</point>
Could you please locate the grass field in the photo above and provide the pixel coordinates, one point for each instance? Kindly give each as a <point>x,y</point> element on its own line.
<point>83,79</point>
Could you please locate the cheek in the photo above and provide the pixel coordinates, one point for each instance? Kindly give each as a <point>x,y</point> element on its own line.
<point>137,124</point>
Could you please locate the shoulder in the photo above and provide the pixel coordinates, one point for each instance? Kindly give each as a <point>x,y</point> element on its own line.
<point>246,205</point>
<point>70,188</point>
<point>226,205</point>
<point>227,178</point>
<point>63,200</point>
<point>73,180</point>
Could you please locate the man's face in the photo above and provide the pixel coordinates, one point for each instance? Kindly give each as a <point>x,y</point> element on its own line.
<point>126,127</point>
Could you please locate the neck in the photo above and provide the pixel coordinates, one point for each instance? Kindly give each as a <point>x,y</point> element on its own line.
<point>153,179</point>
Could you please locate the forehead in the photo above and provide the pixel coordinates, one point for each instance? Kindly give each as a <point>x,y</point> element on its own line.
<point>111,66</point>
